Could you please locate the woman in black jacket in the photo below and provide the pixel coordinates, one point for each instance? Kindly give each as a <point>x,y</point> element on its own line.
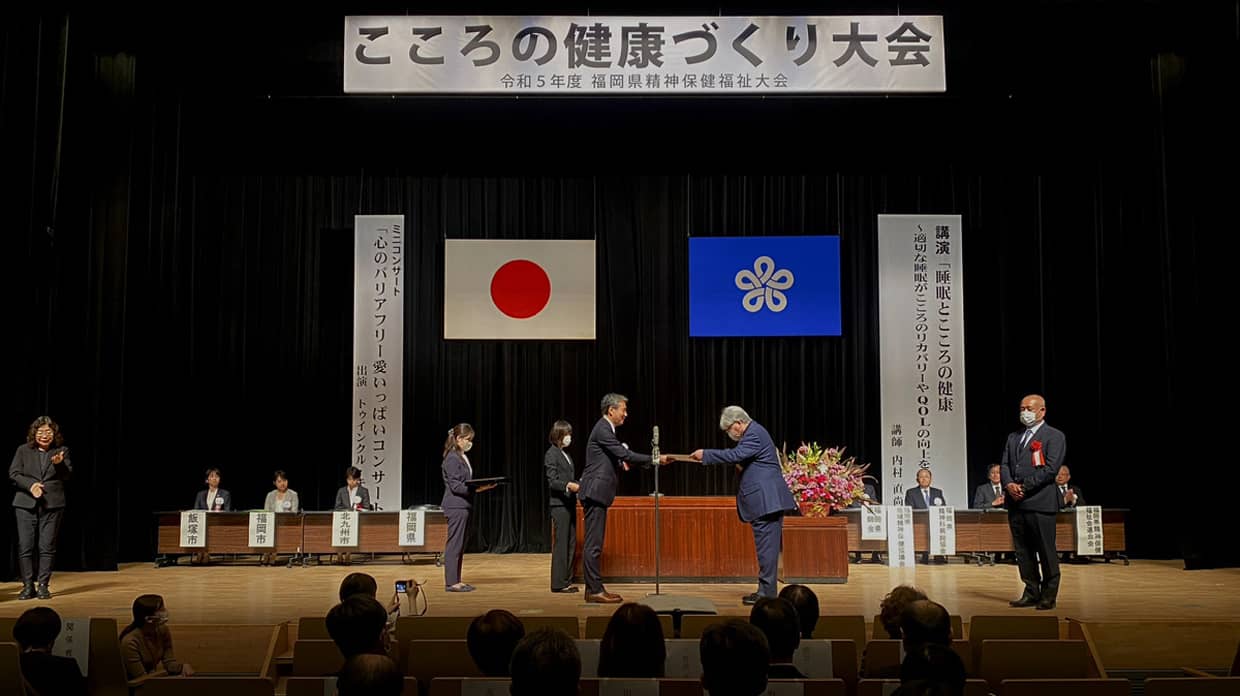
<point>559,469</point>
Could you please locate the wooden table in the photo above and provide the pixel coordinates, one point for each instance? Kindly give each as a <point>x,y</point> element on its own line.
<point>377,532</point>
<point>703,540</point>
<point>227,532</point>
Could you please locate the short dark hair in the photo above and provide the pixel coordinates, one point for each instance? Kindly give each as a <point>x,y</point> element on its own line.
<point>558,430</point>
<point>924,622</point>
<point>612,400</point>
<point>545,663</point>
<point>491,639</point>
<point>632,646</point>
<point>358,584</point>
<point>778,621</point>
<point>992,466</point>
<point>372,675</point>
<point>357,624</point>
<point>735,656</point>
<point>806,603</point>
<point>213,470</point>
<point>893,605</point>
<point>353,473</point>
<point>279,475</point>
<point>37,628</point>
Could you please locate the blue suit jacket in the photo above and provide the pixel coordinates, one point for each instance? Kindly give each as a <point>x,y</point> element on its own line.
<point>603,456</point>
<point>1041,494</point>
<point>762,489</point>
<point>456,495</point>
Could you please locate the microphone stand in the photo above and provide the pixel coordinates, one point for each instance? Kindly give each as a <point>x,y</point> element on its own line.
<point>658,518</point>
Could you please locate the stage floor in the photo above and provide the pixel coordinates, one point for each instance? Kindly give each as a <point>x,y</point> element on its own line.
<point>518,582</point>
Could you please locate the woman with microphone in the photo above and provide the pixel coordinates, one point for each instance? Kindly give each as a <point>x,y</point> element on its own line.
<point>457,501</point>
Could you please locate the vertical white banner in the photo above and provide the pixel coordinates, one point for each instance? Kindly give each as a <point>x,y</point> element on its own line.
<point>943,530</point>
<point>921,342</point>
<point>262,530</point>
<point>412,531</point>
<point>873,522</point>
<point>193,529</point>
<point>900,551</point>
<point>344,528</point>
<point>1089,530</point>
<point>378,350</point>
<point>74,642</point>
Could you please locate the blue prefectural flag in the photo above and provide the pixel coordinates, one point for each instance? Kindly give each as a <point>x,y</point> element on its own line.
<point>764,286</point>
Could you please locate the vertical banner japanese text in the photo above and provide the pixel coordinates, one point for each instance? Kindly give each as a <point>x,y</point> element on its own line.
<point>900,536</point>
<point>378,350</point>
<point>921,344</point>
<point>1089,530</point>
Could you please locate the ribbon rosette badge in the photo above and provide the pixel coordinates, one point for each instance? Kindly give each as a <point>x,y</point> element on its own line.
<point>763,285</point>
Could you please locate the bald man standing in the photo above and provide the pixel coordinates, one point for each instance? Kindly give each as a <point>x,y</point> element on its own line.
<point>1030,463</point>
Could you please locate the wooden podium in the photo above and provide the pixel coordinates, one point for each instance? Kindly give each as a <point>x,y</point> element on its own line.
<point>703,540</point>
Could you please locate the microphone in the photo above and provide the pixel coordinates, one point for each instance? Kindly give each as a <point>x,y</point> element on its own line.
<point>655,440</point>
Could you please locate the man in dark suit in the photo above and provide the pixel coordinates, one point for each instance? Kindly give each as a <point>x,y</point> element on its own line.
<point>990,495</point>
<point>923,497</point>
<point>1031,460</point>
<point>39,471</point>
<point>1069,493</point>
<point>605,456</point>
<point>762,496</point>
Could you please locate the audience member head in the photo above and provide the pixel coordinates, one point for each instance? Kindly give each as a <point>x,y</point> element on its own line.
<point>149,614</point>
<point>352,477</point>
<point>561,434</point>
<point>924,622</point>
<point>357,625</point>
<point>806,603</point>
<point>735,656</point>
<point>1063,476</point>
<point>370,675</point>
<point>358,584</point>
<point>36,629</point>
<point>545,663</point>
<point>632,646</point>
<point>491,640</point>
<point>893,605</point>
<point>280,480</point>
<point>993,474</point>
<point>778,621</point>
<point>932,670</point>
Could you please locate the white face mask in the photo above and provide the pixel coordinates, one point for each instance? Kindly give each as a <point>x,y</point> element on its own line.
<point>1027,418</point>
<point>467,446</point>
<point>568,440</point>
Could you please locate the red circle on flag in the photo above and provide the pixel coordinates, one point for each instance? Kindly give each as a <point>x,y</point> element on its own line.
<point>520,289</point>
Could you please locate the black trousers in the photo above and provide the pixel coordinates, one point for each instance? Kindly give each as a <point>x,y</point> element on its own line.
<point>454,548</point>
<point>1033,537</point>
<point>38,526</point>
<point>564,524</point>
<point>592,547</point>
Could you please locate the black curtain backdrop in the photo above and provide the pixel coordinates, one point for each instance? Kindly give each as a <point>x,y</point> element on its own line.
<point>178,197</point>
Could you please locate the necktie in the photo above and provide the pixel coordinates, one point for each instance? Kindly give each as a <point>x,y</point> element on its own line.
<point>926,492</point>
<point>996,490</point>
<point>1025,440</point>
<point>1063,490</point>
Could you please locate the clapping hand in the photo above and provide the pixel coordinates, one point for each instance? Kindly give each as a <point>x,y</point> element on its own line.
<point>36,489</point>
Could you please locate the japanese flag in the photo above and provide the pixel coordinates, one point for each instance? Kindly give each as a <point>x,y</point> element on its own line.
<point>523,289</point>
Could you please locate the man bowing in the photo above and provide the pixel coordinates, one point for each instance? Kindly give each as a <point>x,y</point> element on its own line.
<point>762,497</point>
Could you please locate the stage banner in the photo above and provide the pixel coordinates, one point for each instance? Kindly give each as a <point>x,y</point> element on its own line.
<point>921,354</point>
<point>412,528</point>
<point>193,529</point>
<point>262,530</point>
<point>74,642</point>
<point>900,552</point>
<point>943,530</point>
<point>873,522</point>
<point>1088,520</point>
<point>344,528</point>
<point>378,350</point>
<point>644,55</point>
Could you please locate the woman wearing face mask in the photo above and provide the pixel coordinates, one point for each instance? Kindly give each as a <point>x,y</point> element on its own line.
<point>146,644</point>
<point>457,500</point>
<point>559,469</point>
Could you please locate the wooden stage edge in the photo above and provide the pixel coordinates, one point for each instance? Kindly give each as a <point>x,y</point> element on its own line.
<point>243,592</point>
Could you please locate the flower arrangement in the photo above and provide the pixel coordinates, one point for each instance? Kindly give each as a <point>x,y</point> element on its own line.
<point>822,480</point>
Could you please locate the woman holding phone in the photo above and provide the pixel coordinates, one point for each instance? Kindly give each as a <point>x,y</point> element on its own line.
<point>457,501</point>
<point>39,470</point>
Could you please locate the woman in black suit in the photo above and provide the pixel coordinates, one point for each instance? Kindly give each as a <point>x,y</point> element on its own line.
<point>457,501</point>
<point>559,470</point>
<point>39,470</point>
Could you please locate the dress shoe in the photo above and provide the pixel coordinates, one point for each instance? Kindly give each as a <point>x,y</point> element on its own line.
<point>1046,604</point>
<point>750,599</point>
<point>463,587</point>
<point>43,592</point>
<point>27,592</point>
<point>566,589</point>
<point>1024,601</point>
<point>604,598</point>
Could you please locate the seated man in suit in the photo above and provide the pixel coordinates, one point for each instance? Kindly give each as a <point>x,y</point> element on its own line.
<point>923,497</point>
<point>1069,493</point>
<point>989,496</point>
